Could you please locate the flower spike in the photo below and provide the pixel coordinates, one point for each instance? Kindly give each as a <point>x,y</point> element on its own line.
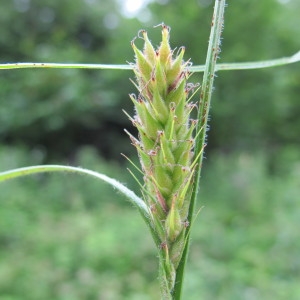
<point>165,143</point>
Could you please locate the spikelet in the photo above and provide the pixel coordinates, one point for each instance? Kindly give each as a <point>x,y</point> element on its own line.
<point>165,143</point>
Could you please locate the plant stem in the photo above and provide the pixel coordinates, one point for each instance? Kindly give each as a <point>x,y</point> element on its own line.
<point>199,68</point>
<point>204,104</point>
<point>39,65</point>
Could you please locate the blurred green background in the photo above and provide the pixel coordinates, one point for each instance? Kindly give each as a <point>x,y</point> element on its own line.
<point>68,237</point>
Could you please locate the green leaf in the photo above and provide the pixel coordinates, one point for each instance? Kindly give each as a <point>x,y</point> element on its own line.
<point>200,68</point>
<point>130,195</point>
<point>33,65</point>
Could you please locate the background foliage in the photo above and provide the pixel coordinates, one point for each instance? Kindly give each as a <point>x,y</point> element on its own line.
<point>67,229</point>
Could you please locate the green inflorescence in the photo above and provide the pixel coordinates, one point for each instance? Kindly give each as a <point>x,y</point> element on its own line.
<point>165,144</point>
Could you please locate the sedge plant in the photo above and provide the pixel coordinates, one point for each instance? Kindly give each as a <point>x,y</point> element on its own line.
<point>170,144</point>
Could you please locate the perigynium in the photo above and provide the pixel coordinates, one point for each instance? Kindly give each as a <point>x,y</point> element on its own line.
<point>165,145</point>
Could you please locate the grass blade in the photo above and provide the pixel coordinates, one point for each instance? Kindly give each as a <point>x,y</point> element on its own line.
<point>130,195</point>
<point>199,68</point>
<point>33,65</point>
<point>252,65</point>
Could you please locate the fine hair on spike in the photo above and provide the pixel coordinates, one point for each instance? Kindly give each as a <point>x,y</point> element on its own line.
<point>160,24</point>
<point>140,34</point>
<point>163,25</point>
<point>188,64</point>
<point>178,50</point>
<point>132,41</point>
<point>192,86</point>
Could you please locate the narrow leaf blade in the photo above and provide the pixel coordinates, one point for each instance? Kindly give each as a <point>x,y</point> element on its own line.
<point>130,195</point>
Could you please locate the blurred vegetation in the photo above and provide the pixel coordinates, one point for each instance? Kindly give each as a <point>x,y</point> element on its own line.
<point>66,237</point>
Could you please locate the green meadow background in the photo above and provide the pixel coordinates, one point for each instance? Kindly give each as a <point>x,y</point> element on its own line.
<point>69,237</point>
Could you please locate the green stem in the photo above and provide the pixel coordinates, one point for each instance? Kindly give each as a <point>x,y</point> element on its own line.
<point>252,65</point>
<point>36,65</point>
<point>204,104</point>
<point>200,68</point>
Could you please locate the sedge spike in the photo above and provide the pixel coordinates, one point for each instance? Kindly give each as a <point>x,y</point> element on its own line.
<point>165,145</point>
